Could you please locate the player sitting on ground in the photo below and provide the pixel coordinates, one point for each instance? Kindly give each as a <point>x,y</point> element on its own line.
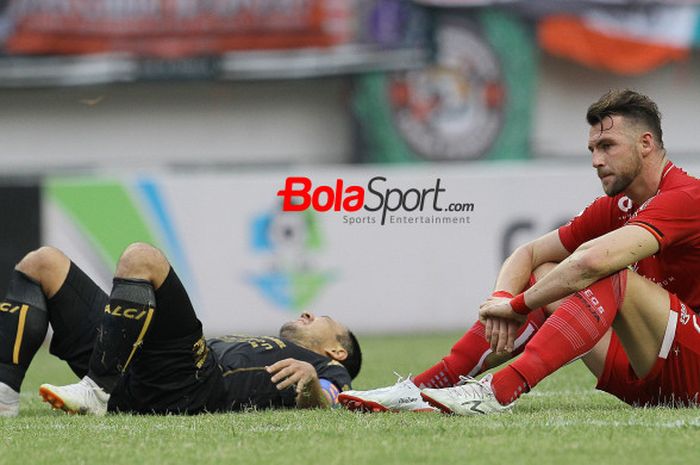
<point>629,326</point>
<point>141,348</point>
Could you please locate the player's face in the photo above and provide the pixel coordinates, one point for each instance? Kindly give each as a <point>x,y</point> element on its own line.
<point>313,332</point>
<point>615,154</point>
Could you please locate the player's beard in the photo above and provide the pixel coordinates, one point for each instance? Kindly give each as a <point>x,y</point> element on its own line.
<point>288,330</point>
<point>295,333</point>
<point>623,180</point>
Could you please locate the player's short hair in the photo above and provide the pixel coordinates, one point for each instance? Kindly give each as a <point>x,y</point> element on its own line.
<point>353,362</point>
<point>630,104</point>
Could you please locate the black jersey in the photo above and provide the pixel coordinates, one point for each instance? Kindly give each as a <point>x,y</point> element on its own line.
<point>246,382</point>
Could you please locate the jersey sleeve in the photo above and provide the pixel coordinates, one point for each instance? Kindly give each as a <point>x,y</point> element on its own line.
<point>672,217</point>
<point>592,222</point>
<point>335,373</point>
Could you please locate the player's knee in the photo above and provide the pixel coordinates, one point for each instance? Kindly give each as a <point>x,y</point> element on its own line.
<point>142,261</point>
<point>42,263</point>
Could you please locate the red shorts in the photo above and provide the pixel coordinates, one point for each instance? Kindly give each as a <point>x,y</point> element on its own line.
<point>675,377</point>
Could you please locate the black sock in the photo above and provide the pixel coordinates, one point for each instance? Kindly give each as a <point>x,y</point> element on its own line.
<point>124,324</point>
<point>23,325</point>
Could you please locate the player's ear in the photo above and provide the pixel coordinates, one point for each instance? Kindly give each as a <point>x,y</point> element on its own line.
<point>647,142</point>
<point>337,353</point>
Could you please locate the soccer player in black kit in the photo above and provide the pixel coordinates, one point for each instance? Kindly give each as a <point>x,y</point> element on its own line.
<point>141,348</point>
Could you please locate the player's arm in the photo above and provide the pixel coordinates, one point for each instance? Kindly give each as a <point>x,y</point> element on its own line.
<point>513,277</point>
<point>516,270</point>
<point>302,375</point>
<point>589,263</point>
<point>593,261</point>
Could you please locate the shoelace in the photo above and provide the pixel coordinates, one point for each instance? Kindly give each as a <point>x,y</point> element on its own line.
<point>401,379</point>
<point>468,385</point>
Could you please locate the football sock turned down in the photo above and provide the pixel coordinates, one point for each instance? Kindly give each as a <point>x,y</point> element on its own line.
<point>571,331</point>
<point>468,355</point>
<point>124,325</point>
<point>23,324</point>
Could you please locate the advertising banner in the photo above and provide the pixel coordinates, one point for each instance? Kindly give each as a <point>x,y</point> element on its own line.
<point>474,102</point>
<point>166,28</point>
<point>383,250</point>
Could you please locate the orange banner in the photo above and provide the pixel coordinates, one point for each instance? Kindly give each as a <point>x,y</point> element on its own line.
<point>174,28</point>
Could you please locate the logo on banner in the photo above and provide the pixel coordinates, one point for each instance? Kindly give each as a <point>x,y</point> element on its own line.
<point>289,245</point>
<point>453,110</point>
<point>300,194</point>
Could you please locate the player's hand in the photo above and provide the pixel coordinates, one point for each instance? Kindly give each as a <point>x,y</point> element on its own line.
<point>501,334</point>
<point>498,307</point>
<point>293,372</point>
<point>501,323</point>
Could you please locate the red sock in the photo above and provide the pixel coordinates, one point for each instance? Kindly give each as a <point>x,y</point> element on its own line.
<point>468,355</point>
<point>571,331</point>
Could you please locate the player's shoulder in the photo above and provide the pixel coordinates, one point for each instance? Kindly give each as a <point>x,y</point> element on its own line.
<point>680,184</point>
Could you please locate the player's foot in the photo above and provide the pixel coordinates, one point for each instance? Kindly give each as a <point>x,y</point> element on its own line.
<point>9,401</point>
<point>471,397</point>
<point>85,397</point>
<point>403,396</point>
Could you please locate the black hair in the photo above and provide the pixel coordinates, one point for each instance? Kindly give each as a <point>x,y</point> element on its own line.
<point>353,362</point>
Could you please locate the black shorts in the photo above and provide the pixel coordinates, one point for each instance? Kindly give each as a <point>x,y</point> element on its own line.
<point>173,372</point>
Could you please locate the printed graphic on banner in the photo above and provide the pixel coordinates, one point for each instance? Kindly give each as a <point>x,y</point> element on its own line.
<point>454,110</point>
<point>288,244</point>
<point>113,214</point>
<point>473,103</point>
<point>392,204</point>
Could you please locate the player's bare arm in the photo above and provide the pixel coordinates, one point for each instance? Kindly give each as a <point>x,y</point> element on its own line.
<point>302,375</point>
<point>513,277</point>
<point>590,262</point>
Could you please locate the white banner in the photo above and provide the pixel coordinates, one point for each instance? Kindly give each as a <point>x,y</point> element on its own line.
<point>249,266</point>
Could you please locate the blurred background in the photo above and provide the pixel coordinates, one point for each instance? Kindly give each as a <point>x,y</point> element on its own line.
<point>176,122</point>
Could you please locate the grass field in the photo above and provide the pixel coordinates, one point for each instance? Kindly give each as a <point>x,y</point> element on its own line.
<point>564,421</point>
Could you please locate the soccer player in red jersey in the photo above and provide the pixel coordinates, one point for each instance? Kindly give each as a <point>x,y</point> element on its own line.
<point>616,287</point>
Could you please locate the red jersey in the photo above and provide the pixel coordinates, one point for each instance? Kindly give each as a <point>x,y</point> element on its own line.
<point>672,216</point>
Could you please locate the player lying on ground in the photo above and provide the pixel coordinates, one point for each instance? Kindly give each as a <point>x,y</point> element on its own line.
<point>141,348</point>
<point>604,288</point>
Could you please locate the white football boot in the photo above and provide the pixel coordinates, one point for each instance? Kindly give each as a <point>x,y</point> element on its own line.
<point>404,396</point>
<point>9,401</point>
<point>84,397</point>
<point>470,397</point>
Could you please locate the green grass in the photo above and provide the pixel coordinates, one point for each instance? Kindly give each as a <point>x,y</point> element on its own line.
<point>564,422</point>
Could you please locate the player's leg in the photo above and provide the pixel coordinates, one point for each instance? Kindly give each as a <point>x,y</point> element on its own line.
<point>638,308</point>
<point>469,356</point>
<point>24,318</point>
<point>149,354</point>
<point>472,355</point>
<point>175,372</point>
<point>121,329</point>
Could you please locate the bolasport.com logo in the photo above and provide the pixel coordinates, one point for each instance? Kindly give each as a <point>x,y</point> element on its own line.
<point>377,202</point>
